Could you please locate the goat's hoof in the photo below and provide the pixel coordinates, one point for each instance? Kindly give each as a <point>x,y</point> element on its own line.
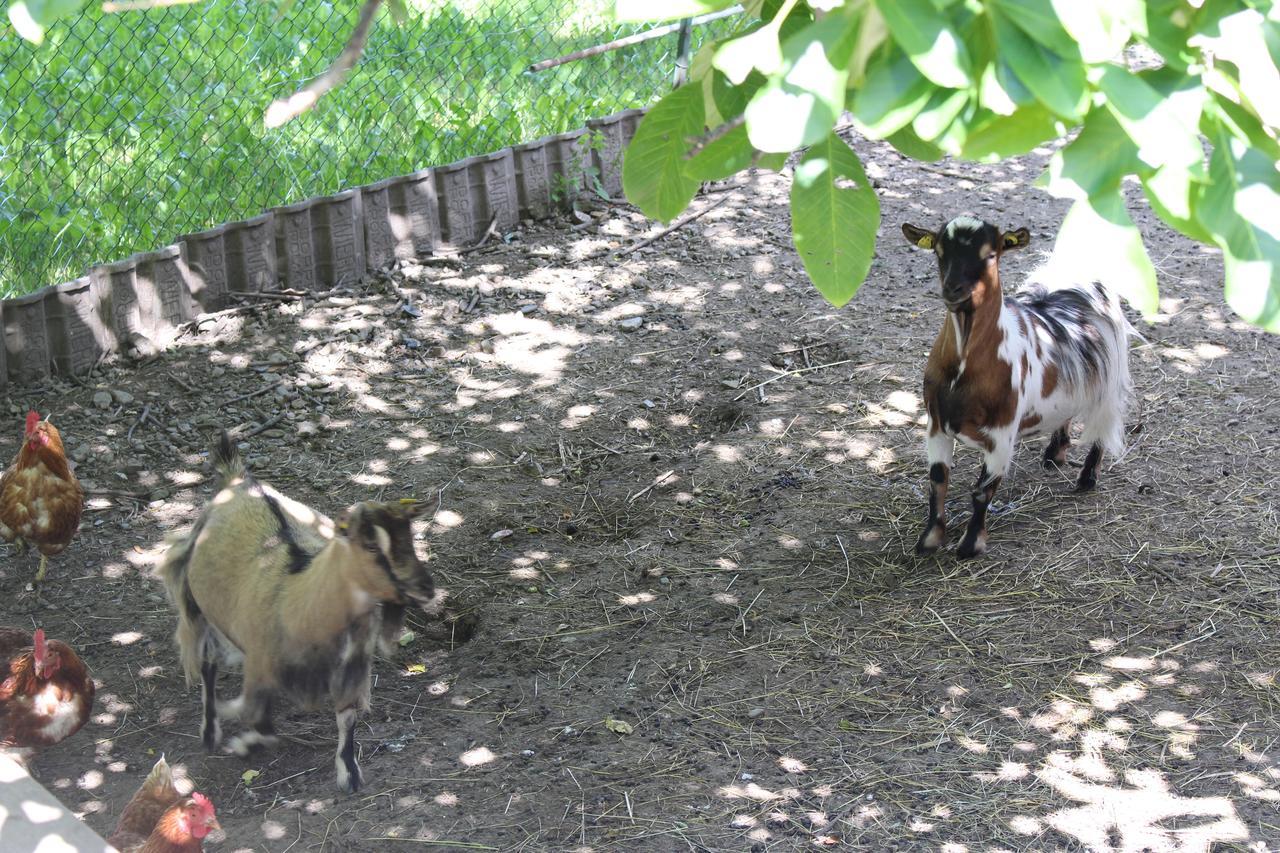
<point>1052,464</point>
<point>247,743</point>
<point>972,548</point>
<point>349,783</point>
<point>1085,485</point>
<point>931,540</point>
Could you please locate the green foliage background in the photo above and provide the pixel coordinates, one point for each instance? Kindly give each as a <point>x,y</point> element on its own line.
<point>1182,96</point>
<point>122,131</point>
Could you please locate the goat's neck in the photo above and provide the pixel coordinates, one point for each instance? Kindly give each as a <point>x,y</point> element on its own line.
<point>335,589</point>
<point>974,325</point>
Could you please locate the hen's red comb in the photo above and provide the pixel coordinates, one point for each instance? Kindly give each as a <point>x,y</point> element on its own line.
<point>202,801</point>
<point>33,418</point>
<point>37,643</point>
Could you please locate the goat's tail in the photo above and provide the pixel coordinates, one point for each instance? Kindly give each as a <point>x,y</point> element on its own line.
<point>1116,386</point>
<point>226,459</point>
<point>190,634</point>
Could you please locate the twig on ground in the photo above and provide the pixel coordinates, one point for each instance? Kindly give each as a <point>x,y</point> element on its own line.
<point>791,373</point>
<point>674,226</point>
<point>265,425</point>
<point>264,389</point>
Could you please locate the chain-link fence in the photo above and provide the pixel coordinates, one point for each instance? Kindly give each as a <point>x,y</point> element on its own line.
<point>125,130</point>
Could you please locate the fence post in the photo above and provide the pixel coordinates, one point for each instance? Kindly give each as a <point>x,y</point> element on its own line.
<point>683,39</point>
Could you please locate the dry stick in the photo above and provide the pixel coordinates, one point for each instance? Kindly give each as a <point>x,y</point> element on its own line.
<point>112,6</point>
<point>285,109</point>
<point>265,425</point>
<point>791,373</point>
<point>678,224</point>
<point>261,390</point>
<point>146,411</point>
<point>491,231</point>
<point>949,631</point>
<point>627,41</point>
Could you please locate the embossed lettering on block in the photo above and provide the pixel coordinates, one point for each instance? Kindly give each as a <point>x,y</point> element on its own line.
<point>531,179</point>
<point>207,266</point>
<point>338,237</point>
<point>380,238</point>
<point>255,240</point>
<point>294,246</point>
<point>77,333</point>
<point>26,339</point>
<point>500,190</point>
<point>455,205</point>
<point>606,152</point>
<point>423,214</point>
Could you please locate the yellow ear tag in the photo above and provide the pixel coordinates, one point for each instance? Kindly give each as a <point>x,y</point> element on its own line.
<point>409,501</point>
<point>926,242</point>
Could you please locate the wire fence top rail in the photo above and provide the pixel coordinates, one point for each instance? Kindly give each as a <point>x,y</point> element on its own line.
<point>124,131</point>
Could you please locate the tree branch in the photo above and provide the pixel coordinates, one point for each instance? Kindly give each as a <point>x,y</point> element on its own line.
<point>287,109</point>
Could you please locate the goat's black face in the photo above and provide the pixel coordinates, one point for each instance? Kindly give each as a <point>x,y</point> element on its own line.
<point>384,530</point>
<point>968,252</point>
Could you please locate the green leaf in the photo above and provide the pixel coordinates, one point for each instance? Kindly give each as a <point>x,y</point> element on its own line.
<point>1241,123</point>
<point>723,157</point>
<point>998,137</point>
<point>992,94</point>
<point>758,50</point>
<point>653,169</point>
<point>801,105</point>
<point>1099,27</point>
<point>894,92</point>
<point>773,162</point>
<point>665,10</point>
<point>925,35</point>
<point>834,218</point>
<point>906,141</point>
<point>1239,207</point>
<point>1242,41</point>
<point>1174,193</point>
<point>942,108</point>
<point>1163,124</point>
<point>1099,241</point>
<point>1095,162</point>
<point>620,727</point>
<point>1039,20</point>
<point>248,776</point>
<point>1058,83</point>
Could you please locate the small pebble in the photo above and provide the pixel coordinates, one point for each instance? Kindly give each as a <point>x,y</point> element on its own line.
<point>631,324</point>
<point>755,713</point>
<point>124,398</point>
<point>102,399</point>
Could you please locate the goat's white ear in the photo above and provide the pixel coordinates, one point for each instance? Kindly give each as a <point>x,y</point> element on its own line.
<point>921,238</point>
<point>1015,239</point>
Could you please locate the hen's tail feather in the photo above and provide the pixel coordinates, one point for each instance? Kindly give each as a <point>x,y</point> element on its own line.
<point>226,458</point>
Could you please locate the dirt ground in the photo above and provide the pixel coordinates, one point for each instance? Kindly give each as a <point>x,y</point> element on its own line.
<point>702,528</point>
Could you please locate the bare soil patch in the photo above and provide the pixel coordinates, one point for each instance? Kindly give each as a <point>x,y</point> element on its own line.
<point>703,528</point>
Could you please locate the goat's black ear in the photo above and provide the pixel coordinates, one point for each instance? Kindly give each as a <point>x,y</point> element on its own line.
<point>1015,239</point>
<point>921,238</point>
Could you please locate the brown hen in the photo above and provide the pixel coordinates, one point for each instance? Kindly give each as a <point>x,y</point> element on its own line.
<point>40,499</point>
<point>45,692</point>
<point>160,820</point>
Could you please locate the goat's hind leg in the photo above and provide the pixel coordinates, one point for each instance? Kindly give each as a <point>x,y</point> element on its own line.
<point>1089,473</point>
<point>940,448</point>
<point>1055,455</point>
<point>994,465</point>
<point>210,730</point>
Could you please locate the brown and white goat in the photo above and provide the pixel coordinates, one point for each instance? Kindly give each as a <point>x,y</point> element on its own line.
<point>300,600</point>
<point>1008,367</point>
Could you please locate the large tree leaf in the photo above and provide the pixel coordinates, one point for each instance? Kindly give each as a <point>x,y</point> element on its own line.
<point>1001,136</point>
<point>894,92</point>
<point>1174,193</point>
<point>1242,41</point>
<point>653,173</point>
<point>1238,206</point>
<point>1098,241</point>
<point>834,218</point>
<point>665,10</point>
<point>1039,20</point>
<point>1100,27</point>
<point>925,35</point>
<point>1163,124</point>
<point>1058,83</point>
<point>723,157</point>
<point>906,141</point>
<point>801,105</point>
<point>942,108</point>
<point>1095,162</point>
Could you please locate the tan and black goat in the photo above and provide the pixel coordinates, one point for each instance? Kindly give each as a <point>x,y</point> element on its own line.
<point>300,600</point>
<point>1008,367</point>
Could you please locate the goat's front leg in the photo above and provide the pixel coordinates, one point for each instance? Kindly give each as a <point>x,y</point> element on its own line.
<point>1055,455</point>
<point>254,708</point>
<point>349,778</point>
<point>994,465</point>
<point>940,448</point>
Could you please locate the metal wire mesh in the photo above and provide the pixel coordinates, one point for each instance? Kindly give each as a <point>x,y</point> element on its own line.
<point>125,130</point>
